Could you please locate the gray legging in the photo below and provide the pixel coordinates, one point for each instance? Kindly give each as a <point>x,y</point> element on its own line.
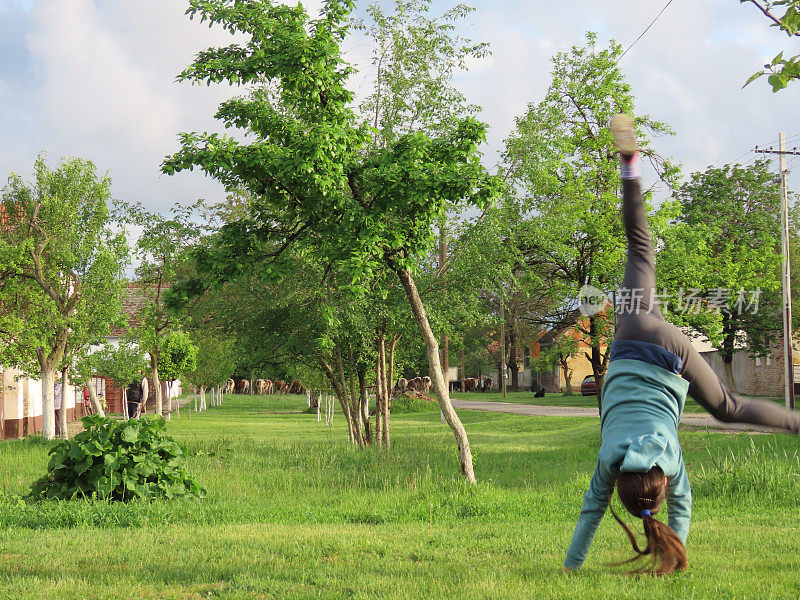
<point>647,325</point>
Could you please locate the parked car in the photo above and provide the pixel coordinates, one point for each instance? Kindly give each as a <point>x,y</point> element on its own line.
<point>588,386</point>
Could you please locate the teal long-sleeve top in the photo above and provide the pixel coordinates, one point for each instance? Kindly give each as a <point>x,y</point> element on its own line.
<point>642,406</point>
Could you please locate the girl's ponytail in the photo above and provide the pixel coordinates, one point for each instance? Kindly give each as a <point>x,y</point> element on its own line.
<point>643,494</point>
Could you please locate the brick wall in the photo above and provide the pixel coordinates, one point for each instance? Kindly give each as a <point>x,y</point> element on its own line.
<point>753,376</point>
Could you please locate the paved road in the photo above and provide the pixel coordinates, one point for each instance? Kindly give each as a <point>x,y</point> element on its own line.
<point>690,419</point>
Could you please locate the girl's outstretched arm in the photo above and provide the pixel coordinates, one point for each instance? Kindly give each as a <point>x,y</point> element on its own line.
<point>595,503</point>
<point>679,503</point>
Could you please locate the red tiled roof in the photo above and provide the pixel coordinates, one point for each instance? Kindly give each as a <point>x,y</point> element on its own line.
<point>133,301</point>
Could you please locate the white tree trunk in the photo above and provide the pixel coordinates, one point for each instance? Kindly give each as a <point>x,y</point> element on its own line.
<point>62,416</point>
<point>95,401</point>
<point>435,372</point>
<point>48,405</point>
<point>157,385</point>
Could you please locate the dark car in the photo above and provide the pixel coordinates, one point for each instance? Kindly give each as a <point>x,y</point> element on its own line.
<point>588,386</point>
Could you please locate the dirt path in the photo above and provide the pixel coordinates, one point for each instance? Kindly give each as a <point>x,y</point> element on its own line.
<point>536,410</point>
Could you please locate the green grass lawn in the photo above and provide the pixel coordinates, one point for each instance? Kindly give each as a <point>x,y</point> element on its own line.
<point>293,512</point>
<point>574,400</point>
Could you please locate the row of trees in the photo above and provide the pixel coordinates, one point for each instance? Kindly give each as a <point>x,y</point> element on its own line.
<point>323,264</point>
<point>343,204</point>
<point>63,257</point>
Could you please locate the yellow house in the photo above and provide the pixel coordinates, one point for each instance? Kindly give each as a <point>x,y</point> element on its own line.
<point>553,380</point>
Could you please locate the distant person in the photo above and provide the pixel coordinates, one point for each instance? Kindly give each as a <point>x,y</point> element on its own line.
<point>134,398</point>
<point>653,366</point>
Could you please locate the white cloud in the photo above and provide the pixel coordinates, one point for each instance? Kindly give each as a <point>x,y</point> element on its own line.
<point>101,80</point>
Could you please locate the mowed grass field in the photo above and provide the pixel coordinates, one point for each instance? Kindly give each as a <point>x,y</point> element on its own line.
<point>572,400</point>
<point>293,512</point>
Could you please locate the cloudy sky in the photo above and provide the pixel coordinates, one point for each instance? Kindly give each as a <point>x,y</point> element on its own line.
<point>96,79</point>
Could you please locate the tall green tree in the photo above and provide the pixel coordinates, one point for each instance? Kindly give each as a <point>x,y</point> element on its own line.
<point>781,71</point>
<point>564,166</point>
<point>215,361</point>
<point>720,264</point>
<point>61,269</point>
<point>308,163</point>
<point>162,252</point>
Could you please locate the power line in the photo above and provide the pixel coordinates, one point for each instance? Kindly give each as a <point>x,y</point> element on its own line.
<point>645,31</point>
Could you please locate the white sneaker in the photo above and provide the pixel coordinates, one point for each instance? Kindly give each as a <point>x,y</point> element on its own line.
<point>624,131</point>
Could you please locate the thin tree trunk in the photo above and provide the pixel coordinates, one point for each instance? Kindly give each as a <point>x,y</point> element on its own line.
<point>596,360</point>
<point>339,388</point>
<point>125,414</point>
<point>362,390</point>
<point>48,406</point>
<point>435,369</point>
<point>62,417</point>
<point>355,409</point>
<point>95,401</point>
<point>728,348</point>
<point>169,398</point>
<point>157,384</point>
<point>512,354</point>
<point>727,363</point>
<point>379,398</point>
<point>503,358</point>
<point>387,406</point>
<point>567,378</point>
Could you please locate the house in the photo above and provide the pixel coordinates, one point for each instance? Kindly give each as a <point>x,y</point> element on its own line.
<point>753,376</point>
<point>21,404</point>
<point>553,380</point>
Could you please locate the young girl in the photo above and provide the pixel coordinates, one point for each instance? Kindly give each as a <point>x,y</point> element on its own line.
<point>652,367</point>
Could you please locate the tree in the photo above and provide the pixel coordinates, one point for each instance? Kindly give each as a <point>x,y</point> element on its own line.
<point>781,70</point>
<point>162,253</point>
<point>177,355</point>
<point>722,256</point>
<point>558,354</point>
<point>309,165</point>
<point>562,161</point>
<point>61,272</point>
<point>215,361</point>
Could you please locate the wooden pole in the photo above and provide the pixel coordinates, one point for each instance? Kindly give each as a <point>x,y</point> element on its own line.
<point>788,367</point>
<point>503,348</point>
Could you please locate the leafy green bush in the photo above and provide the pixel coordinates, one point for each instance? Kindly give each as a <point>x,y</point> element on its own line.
<point>117,460</point>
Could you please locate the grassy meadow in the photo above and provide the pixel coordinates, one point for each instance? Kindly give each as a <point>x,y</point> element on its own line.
<point>293,512</point>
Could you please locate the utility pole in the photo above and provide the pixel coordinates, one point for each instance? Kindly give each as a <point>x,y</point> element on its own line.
<point>788,362</point>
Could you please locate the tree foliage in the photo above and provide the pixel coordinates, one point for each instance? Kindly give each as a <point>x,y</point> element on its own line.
<point>564,166</point>
<point>177,355</point>
<point>781,71</point>
<point>61,269</point>
<point>317,181</point>
<point>722,252</point>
